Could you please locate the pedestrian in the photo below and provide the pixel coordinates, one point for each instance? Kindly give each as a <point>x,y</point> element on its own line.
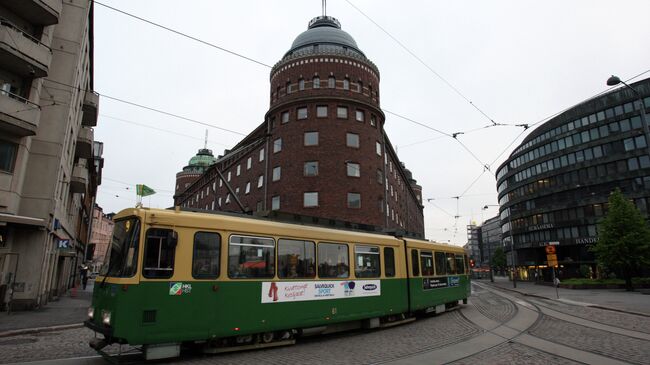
<point>556,282</point>
<point>83,272</point>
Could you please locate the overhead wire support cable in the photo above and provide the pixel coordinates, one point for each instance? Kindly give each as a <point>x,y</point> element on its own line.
<point>422,62</point>
<point>182,34</point>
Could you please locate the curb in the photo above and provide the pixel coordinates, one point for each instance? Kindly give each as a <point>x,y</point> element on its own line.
<point>591,305</point>
<point>26,331</point>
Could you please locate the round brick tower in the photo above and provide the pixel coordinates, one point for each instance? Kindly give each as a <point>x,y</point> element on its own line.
<point>197,165</point>
<point>326,129</point>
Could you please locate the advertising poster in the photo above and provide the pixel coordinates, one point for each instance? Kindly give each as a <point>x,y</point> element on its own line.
<point>296,291</point>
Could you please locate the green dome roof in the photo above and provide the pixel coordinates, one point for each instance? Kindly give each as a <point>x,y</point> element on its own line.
<point>203,159</point>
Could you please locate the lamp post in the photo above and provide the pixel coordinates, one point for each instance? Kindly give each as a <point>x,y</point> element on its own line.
<point>489,247</point>
<point>615,80</point>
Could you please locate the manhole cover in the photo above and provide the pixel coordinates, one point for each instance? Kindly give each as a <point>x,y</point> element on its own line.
<point>17,341</point>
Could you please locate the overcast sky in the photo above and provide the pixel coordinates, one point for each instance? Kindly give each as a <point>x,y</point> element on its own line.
<point>517,61</point>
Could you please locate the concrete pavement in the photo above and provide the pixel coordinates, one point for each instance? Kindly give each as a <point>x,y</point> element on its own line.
<point>67,312</point>
<point>613,299</point>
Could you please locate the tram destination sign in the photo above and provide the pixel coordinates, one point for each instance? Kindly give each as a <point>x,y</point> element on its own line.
<point>441,282</point>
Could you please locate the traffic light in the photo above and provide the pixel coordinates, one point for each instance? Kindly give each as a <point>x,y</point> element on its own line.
<point>471,263</point>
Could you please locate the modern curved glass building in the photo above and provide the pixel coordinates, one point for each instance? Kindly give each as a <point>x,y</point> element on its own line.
<point>553,189</point>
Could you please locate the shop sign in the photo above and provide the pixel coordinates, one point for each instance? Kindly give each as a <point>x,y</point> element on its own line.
<point>538,227</point>
<point>298,291</point>
<point>63,244</point>
<point>586,240</point>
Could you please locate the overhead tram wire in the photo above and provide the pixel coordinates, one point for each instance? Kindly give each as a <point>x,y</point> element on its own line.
<point>150,108</point>
<point>182,34</point>
<point>423,63</point>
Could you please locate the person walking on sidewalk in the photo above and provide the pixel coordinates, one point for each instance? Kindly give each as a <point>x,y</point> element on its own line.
<point>83,273</point>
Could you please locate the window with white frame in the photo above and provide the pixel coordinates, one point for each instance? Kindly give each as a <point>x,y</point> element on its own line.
<point>310,199</point>
<point>378,148</point>
<point>249,163</point>
<point>301,84</point>
<point>238,170</point>
<point>275,202</point>
<point>229,175</point>
<point>311,168</point>
<point>285,117</point>
<point>352,140</point>
<point>248,188</point>
<point>315,82</point>
<point>360,116</point>
<point>342,112</point>
<point>262,155</point>
<point>373,120</point>
<point>301,113</point>
<point>354,200</point>
<point>321,111</point>
<point>260,181</point>
<point>311,138</point>
<point>331,82</point>
<point>346,84</point>
<point>354,169</point>
<point>277,145</point>
<point>277,173</point>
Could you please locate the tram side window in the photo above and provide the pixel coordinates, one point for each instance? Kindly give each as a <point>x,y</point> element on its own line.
<point>460,264</point>
<point>207,249</point>
<point>466,264</point>
<point>441,263</point>
<point>296,259</point>
<point>251,257</point>
<point>389,261</point>
<point>159,252</point>
<point>415,262</point>
<point>451,264</point>
<point>426,261</point>
<point>333,260</point>
<point>123,260</point>
<point>367,262</point>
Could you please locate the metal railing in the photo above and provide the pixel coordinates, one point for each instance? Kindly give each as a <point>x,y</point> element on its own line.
<point>8,24</point>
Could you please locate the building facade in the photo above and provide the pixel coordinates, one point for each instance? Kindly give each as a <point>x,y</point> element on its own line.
<point>473,246</point>
<point>100,239</point>
<point>554,187</point>
<point>50,165</point>
<point>197,165</point>
<point>490,239</point>
<point>321,155</point>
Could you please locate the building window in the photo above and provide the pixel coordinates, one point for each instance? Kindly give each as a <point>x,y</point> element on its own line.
<point>346,84</point>
<point>251,257</point>
<point>296,259</point>
<point>360,87</point>
<point>220,183</point>
<point>352,140</point>
<point>360,116</point>
<point>237,191</point>
<point>354,200</point>
<point>378,148</point>
<point>316,82</point>
<point>311,138</point>
<point>260,181</point>
<point>342,112</point>
<point>277,145</point>
<point>249,163</point>
<point>310,199</point>
<point>277,173</point>
<point>301,84</point>
<point>285,117</point>
<point>311,168</point>
<point>288,86</point>
<point>7,156</point>
<point>380,177</point>
<point>331,82</point>
<point>301,113</point>
<point>248,188</point>
<point>238,170</point>
<point>275,202</point>
<point>229,175</point>
<point>321,111</point>
<point>262,155</point>
<point>354,169</point>
<point>333,260</point>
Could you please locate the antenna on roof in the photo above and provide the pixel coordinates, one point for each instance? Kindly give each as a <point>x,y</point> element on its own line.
<point>324,7</point>
<point>205,146</point>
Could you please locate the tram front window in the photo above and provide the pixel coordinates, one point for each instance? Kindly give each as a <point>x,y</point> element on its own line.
<point>123,259</point>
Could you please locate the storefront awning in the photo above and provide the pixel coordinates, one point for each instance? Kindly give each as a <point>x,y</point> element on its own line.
<point>19,219</point>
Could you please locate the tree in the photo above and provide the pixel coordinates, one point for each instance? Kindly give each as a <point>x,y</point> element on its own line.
<point>498,259</point>
<point>623,238</point>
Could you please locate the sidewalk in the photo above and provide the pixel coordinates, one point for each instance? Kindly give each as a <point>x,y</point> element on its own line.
<point>613,299</point>
<point>67,312</point>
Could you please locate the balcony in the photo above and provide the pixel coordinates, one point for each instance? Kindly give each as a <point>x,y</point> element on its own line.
<point>79,178</point>
<point>84,147</point>
<point>21,53</point>
<point>90,109</point>
<point>37,12</point>
<point>18,116</point>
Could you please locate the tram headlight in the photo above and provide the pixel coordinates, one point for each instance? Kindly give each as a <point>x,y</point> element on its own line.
<point>106,317</point>
<point>91,312</point>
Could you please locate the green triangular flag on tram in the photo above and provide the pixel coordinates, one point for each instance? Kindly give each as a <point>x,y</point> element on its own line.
<point>144,190</point>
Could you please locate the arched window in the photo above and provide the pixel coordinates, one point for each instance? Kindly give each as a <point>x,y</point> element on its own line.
<point>360,86</point>
<point>316,82</point>
<point>288,86</point>
<point>331,82</point>
<point>301,84</point>
<point>346,84</point>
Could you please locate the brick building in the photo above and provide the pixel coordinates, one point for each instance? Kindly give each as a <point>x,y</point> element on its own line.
<point>321,155</point>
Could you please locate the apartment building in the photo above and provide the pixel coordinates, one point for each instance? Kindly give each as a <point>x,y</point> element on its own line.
<point>50,165</point>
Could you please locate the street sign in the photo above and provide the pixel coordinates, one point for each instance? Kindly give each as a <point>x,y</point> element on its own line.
<point>550,250</point>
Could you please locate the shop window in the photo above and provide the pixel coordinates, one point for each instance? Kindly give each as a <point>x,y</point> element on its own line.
<point>251,257</point>
<point>159,251</point>
<point>205,259</point>
<point>296,259</point>
<point>367,262</point>
<point>333,260</point>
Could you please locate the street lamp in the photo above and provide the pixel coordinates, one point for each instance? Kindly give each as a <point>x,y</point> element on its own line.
<point>615,80</point>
